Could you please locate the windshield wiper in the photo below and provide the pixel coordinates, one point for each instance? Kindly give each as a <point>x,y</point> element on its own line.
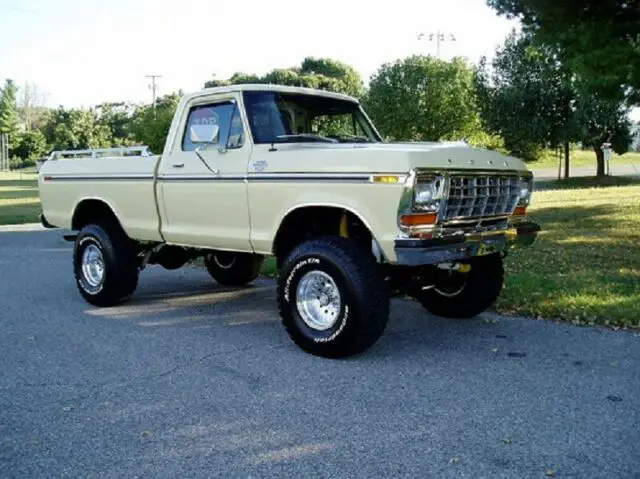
<point>363,139</point>
<point>306,136</point>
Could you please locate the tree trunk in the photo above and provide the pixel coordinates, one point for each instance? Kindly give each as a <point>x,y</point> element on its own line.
<point>600,160</point>
<point>566,159</point>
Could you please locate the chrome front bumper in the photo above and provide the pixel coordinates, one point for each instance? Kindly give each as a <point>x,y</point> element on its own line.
<point>418,252</point>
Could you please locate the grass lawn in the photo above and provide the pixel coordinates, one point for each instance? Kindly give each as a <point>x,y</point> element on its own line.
<point>19,198</point>
<point>585,266</point>
<point>581,158</point>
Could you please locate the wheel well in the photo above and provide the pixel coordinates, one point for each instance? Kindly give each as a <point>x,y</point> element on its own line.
<point>312,221</point>
<point>91,211</point>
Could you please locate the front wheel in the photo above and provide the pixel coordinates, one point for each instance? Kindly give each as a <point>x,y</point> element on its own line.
<point>465,295</point>
<point>332,299</point>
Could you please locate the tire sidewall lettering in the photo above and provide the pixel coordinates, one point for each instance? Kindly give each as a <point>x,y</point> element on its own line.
<point>294,270</point>
<point>336,333</point>
<point>289,295</point>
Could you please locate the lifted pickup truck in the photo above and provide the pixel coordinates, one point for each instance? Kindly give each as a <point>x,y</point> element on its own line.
<point>302,175</point>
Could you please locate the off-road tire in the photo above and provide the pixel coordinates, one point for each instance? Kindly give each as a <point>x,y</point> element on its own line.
<point>483,286</point>
<point>364,307</point>
<point>120,264</point>
<point>233,269</point>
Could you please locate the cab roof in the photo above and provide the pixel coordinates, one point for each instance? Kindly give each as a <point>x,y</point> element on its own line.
<point>269,87</point>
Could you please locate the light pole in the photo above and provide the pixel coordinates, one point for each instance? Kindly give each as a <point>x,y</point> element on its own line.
<point>439,37</point>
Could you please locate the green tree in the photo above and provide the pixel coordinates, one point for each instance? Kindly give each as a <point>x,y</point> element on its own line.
<point>236,78</point>
<point>116,119</point>
<point>422,98</point>
<point>321,73</point>
<point>597,39</point>
<point>31,146</point>
<point>76,129</point>
<point>534,101</point>
<point>603,121</point>
<point>151,127</point>
<point>9,119</point>
<point>527,98</point>
<point>333,75</point>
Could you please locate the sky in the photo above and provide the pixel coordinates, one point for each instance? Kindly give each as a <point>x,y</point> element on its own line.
<point>84,52</point>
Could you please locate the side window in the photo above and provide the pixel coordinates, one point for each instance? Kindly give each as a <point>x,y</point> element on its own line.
<point>226,115</point>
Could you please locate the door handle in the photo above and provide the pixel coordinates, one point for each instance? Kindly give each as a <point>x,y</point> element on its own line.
<point>178,165</point>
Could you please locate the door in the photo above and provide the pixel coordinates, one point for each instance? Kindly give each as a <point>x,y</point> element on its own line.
<point>203,188</point>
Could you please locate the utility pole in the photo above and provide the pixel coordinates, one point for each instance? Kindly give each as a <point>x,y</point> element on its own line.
<point>439,37</point>
<point>154,88</point>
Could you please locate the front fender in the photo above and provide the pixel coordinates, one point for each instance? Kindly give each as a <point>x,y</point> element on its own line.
<point>376,205</point>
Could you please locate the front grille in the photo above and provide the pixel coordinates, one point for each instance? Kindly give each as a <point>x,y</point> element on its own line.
<point>481,196</point>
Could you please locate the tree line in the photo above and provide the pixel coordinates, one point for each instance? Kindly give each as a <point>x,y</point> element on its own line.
<point>528,99</point>
<point>34,130</point>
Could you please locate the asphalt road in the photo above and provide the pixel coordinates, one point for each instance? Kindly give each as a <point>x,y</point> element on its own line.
<point>195,380</point>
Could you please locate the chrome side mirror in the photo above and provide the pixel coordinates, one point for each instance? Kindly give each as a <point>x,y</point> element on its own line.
<point>206,133</point>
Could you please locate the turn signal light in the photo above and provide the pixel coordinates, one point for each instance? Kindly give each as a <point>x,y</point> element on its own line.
<point>520,211</point>
<point>386,179</point>
<point>419,219</point>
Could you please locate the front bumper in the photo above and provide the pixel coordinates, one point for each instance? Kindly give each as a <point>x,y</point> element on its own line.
<point>417,252</point>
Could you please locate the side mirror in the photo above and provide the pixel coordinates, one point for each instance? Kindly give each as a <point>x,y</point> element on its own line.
<point>204,133</point>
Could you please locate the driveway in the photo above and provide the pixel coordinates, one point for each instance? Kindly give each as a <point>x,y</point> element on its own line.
<point>195,380</point>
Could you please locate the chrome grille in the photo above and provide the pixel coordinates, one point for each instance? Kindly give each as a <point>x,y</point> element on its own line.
<point>480,196</point>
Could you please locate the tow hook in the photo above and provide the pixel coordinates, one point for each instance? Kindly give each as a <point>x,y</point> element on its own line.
<point>459,267</point>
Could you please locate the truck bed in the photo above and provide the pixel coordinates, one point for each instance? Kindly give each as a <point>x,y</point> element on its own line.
<point>126,184</point>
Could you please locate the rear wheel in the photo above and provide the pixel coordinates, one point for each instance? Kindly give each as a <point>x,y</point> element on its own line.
<point>465,295</point>
<point>332,299</point>
<point>233,269</point>
<point>105,264</point>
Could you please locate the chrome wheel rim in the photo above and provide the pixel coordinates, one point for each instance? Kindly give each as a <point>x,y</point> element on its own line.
<point>451,291</point>
<point>318,300</point>
<point>222,264</point>
<point>92,267</point>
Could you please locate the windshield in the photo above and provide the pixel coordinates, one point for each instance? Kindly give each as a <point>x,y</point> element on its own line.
<point>276,117</point>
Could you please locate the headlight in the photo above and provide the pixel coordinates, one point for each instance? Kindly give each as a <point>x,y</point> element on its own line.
<point>526,190</point>
<point>428,193</point>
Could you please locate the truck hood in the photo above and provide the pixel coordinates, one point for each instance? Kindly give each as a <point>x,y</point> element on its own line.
<point>386,157</point>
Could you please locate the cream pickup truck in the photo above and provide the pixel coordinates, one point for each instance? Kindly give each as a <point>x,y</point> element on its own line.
<point>301,175</point>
